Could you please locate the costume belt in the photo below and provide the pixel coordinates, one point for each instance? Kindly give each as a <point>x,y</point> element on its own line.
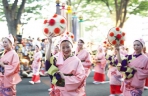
<point>68,74</point>
<point>82,60</point>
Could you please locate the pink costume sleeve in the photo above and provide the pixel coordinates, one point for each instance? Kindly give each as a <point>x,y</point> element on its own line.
<point>102,61</point>
<point>87,61</point>
<point>37,59</point>
<point>141,65</point>
<point>138,80</point>
<point>108,74</point>
<point>11,76</point>
<point>13,66</point>
<point>142,73</point>
<point>75,81</point>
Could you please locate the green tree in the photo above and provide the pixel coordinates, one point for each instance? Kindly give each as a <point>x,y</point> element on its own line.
<point>13,10</point>
<point>120,8</point>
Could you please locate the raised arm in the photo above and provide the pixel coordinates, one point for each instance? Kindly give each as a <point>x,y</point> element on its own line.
<point>118,54</point>
<point>48,52</point>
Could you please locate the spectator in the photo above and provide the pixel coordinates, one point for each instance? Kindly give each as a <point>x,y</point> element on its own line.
<point>25,69</point>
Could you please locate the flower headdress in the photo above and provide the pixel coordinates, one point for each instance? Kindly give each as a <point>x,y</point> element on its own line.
<point>10,37</point>
<point>67,36</point>
<point>64,37</point>
<point>38,45</point>
<point>141,41</point>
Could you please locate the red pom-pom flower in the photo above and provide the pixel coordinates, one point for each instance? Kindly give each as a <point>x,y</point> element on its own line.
<point>62,21</point>
<point>46,30</point>
<point>117,29</point>
<point>123,34</point>
<point>105,42</point>
<point>55,15</point>
<point>122,42</point>
<point>118,36</point>
<point>111,34</point>
<point>45,21</point>
<point>51,22</point>
<point>114,42</point>
<point>72,36</point>
<point>57,30</point>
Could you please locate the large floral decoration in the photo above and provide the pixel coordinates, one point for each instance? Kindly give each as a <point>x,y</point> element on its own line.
<point>67,36</point>
<point>106,44</point>
<point>116,36</point>
<point>70,35</point>
<point>56,25</point>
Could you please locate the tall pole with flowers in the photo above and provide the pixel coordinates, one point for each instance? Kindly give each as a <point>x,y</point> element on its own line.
<point>81,27</point>
<point>63,10</point>
<point>75,26</point>
<point>69,19</point>
<point>58,10</point>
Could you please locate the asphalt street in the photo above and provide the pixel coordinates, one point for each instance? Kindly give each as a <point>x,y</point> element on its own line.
<point>26,89</point>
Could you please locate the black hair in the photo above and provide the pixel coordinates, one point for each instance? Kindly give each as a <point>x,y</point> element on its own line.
<point>140,42</point>
<point>82,41</point>
<point>37,46</point>
<point>43,40</point>
<point>66,41</point>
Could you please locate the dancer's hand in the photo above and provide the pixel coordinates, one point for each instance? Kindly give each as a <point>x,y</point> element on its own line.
<point>50,37</point>
<point>2,64</point>
<point>61,74</point>
<point>46,73</point>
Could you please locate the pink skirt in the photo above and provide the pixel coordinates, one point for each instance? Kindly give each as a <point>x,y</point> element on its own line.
<point>99,77</point>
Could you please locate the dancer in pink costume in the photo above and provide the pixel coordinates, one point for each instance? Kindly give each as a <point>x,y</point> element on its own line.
<point>99,75</point>
<point>36,64</point>
<point>114,75</point>
<point>70,69</point>
<point>9,68</point>
<point>134,85</point>
<point>146,81</point>
<point>84,56</point>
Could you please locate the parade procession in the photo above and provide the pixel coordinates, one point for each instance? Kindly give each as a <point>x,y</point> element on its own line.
<point>63,59</point>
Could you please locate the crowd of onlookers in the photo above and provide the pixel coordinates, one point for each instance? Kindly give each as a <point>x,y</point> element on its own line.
<point>26,49</point>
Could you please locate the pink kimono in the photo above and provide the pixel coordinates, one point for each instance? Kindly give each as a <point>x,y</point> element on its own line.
<point>74,77</point>
<point>100,68</point>
<point>135,85</point>
<point>114,79</point>
<point>36,66</point>
<point>146,81</point>
<point>85,58</point>
<point>124,52</point>
<point>10,77</point>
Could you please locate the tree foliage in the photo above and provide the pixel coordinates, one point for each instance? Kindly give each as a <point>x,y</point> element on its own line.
<point>17,12</point>
<point>122,8</point>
